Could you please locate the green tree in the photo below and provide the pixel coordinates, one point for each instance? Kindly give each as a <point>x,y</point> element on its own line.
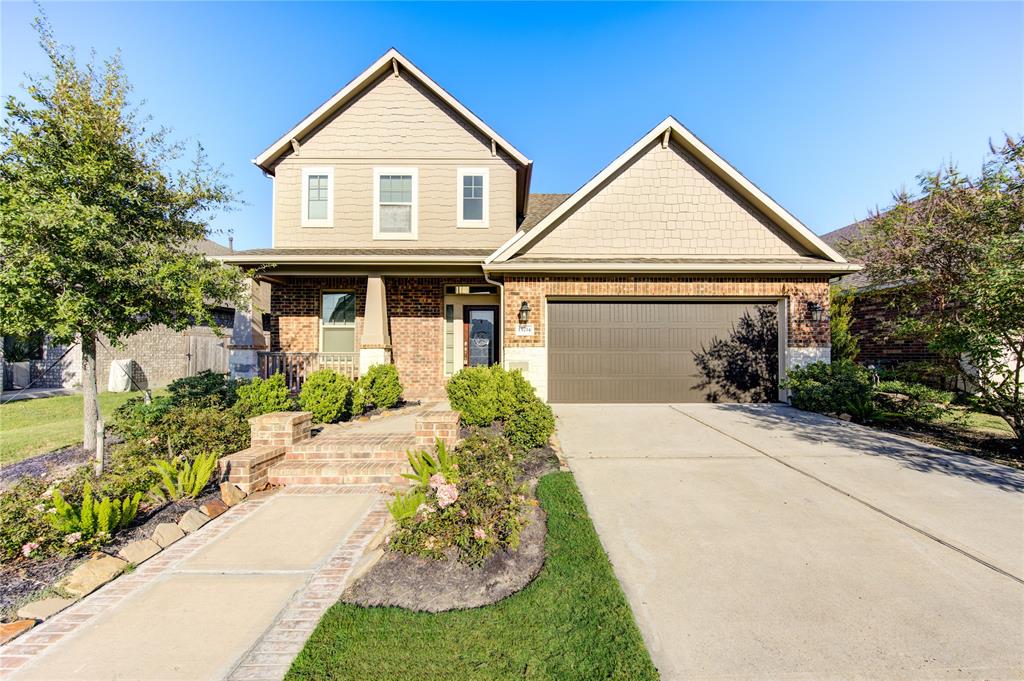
<point>955,258</point>
<point>95,226</point>
<point>844,343</point>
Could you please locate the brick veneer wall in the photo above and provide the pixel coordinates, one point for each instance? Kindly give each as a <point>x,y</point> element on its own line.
<point>415,314</point>
<point>874,326</point>
<point>295,311</point>
<point>803,332</point>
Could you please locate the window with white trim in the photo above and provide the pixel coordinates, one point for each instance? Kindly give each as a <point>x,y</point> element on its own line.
<point>473,193</point>
<point>338,321</point>
<point>318,197</point>
<point>395,196</point>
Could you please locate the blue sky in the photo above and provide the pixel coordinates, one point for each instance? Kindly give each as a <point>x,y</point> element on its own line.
<point>827,107</point>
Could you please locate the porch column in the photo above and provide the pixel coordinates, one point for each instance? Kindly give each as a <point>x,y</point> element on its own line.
<point>375,343</point>
<point>247,333</point>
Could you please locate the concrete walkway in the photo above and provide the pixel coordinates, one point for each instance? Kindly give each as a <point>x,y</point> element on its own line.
<point>761,542</point>
<point>236,601</point>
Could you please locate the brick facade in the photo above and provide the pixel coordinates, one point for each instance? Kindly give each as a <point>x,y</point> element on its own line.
<point>874,327</point>
<point>295,311</point>
<point>803,332</point>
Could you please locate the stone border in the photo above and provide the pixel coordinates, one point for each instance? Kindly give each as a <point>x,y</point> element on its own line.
<point>68,619</point>
<point>271,656</point>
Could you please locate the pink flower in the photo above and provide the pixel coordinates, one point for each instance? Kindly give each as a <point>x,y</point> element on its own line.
<point>447,495</point>
<point>28,548</point>
<point>436,480</point>
<point>479,533</point>
<point>39,508</point>
<point>72,538</point>
<point>463,513</point>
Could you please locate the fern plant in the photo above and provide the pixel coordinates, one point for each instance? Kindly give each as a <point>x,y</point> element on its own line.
<point>424,465</point>
<point>405,505</point>
<point>181,479</point>
<point>92,518</point>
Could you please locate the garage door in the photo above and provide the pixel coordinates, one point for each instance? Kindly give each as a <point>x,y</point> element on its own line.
<point>644,351</point>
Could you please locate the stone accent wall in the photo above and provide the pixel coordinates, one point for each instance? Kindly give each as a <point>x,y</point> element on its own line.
<point>874,327</point>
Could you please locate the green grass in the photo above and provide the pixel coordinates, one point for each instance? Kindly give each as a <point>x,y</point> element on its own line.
<point>977,420</point>
<point>572,622</point>
<point>30,427</point>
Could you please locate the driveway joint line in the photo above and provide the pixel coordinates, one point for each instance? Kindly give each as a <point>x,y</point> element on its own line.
<point>863,502</point>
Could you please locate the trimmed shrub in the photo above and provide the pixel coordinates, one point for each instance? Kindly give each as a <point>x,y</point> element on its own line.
<point>829,388</point>
<point>378,388</point>
<point>912,400</point>
<point>530,425</point>
<point>263,396</point>
<point>136,419</point>
<point>513,392</point>
<point>189,431</point>
<point>328,395</point>
<point>204,389</point>
<point>473,392</point>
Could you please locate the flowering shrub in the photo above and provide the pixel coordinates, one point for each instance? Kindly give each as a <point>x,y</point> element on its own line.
<point>470,517</point>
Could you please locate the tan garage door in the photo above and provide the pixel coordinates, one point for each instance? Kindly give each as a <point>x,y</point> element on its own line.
<point>644,351</point>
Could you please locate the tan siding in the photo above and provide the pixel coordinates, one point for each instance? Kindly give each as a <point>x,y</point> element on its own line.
<point>395,122</point>
<point>353,205</point>
<point>665,203</point>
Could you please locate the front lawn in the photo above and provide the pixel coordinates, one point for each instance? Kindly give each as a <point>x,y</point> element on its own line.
<point>572,622</point>
<point>30,427</point>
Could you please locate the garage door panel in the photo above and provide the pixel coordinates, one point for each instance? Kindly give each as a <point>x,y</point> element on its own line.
<point>615,351</point>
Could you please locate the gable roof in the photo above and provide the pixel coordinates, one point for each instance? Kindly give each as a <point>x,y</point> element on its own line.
<point>392,59</point>
<point>671,128</point>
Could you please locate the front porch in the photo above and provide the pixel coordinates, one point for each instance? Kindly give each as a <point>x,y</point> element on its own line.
<point>428,326</point>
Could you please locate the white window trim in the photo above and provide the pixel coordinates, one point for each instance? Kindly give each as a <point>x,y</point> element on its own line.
<point>318,170</point>
<point>461,222</point>
<point>414,230</point>
<point>337,325</point>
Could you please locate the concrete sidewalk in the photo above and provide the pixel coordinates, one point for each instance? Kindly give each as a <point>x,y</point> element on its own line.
<point>226,609</point>
<point>757,541</point>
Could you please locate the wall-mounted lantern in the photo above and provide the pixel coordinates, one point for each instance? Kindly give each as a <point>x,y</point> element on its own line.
<point>815,311</point>
<point>524,313</point>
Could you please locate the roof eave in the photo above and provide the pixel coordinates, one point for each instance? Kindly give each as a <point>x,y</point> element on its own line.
<point>824,268</point>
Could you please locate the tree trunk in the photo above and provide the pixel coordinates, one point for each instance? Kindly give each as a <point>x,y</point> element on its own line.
<point>91,407</point>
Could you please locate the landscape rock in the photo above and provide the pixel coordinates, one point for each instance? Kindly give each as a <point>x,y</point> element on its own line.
<point>231,494</point>
<point>139,551</point>
<point>213,508</point>
<point>45,608</point>
<point>13,630</point>
<point>192,520</point>
<point>166,534</point>
<point>92,574</point>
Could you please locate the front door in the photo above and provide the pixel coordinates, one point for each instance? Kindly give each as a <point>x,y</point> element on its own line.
<point>480,335</point>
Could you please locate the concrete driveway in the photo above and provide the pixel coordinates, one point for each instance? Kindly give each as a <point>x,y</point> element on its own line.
<point>761,542</point>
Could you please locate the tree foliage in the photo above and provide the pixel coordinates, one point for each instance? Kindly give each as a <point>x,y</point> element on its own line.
<point>98,211</point>
<point>956,254</point>
<point>844,343</point>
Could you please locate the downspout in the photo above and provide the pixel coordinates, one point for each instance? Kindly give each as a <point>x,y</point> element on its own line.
<point>501,312</point>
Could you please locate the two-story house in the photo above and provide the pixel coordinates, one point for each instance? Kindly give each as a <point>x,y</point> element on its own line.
<point>404,231</point>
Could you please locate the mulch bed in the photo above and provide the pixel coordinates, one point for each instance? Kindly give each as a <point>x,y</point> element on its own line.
<point>53,464</point>
<point>990,445</point>
<point>428,585</point>
<point>20,581</point>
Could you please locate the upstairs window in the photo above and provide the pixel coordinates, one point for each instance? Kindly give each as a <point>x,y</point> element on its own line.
<point>317,197</point>
<point>472,198</point>
<point>395,198</point>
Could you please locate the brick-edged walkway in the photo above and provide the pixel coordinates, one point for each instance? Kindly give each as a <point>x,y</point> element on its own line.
<point>73,644</point>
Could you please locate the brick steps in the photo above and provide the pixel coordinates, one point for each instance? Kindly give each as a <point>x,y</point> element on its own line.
<point>348,446</point>
<point>356,472</point>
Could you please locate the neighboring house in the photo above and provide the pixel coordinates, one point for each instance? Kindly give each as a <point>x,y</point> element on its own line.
<point>158,355</point>
<point>874,318</point>
<point>404,231</point>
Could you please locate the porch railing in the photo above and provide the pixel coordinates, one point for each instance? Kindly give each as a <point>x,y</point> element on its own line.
<point>296,366</point>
